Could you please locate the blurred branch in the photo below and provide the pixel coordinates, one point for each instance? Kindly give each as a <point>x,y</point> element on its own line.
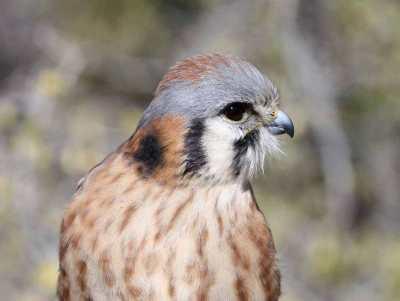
<point>310,69</point>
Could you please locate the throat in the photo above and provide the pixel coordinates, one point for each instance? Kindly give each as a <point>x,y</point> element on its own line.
<point>216,209</point>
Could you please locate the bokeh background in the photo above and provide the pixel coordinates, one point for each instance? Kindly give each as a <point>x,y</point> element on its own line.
<point>76,75</point>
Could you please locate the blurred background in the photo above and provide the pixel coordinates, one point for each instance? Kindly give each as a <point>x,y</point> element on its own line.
<point>76,75</point>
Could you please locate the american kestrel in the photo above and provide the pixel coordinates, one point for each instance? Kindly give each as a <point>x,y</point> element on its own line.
<point>170,215</point>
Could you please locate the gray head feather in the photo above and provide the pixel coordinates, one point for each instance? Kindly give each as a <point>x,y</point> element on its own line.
<point>201,86</point>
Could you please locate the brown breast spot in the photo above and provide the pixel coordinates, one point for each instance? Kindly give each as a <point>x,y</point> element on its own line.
<point>127,215</point>
<point>105,266</point>
<point>75,239</point>
<point>150,263</point>
<point>201,242</point>
<point>68,220</point>
<point>178,211</point>
<point>95,242</point>
<point>134,291</point>
<point>63,285</point>
<point>81,269</point>
<point>239,258</point>
<point>241,290</point>
<point>207,279</point>
<point>220,222</point>
<point>130,261</point>
<point>268,272</point>
<point>169,270</point>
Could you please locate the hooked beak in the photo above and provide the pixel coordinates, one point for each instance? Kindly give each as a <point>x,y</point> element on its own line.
<point>281,125</point>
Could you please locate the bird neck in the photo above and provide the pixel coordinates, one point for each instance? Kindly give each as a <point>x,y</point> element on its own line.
<point>170,152</point>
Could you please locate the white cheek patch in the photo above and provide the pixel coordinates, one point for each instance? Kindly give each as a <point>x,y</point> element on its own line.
<point>217,141</point>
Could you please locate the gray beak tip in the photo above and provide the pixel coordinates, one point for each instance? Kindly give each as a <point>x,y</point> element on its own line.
<point>282,125</point>
<point>290,132</point>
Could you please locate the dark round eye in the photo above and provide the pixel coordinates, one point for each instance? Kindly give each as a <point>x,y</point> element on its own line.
<point>235,111</point>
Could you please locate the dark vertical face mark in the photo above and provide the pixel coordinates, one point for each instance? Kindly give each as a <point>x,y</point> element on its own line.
<point>149,154</point>
<point>196,157</point>
<point>240,147</point>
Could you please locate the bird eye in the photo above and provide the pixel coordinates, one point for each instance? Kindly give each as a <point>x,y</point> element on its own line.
<point>236,111</point>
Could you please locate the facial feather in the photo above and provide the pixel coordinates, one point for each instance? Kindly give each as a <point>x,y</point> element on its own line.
<point>215,150</point>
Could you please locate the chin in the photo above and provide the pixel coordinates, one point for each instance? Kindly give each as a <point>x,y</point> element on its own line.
<point>265,147</point>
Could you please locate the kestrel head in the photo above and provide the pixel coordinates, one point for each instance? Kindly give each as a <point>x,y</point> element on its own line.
<point>213,117</point>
